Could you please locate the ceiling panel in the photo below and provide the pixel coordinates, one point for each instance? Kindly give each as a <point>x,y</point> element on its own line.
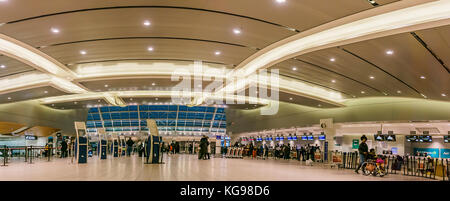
<point>338,60</point>
<point>40,131</point>
<point>128,22</point>
<point>9,66</point>
<point>35,93</point>
<point>291,98</point>
<point>137,49</point>
<point>438,40</point>
<point>409,61</point>
<point>78,104</point>
<point>318,76</point>
<point>137,84</point>
<point>8,127</point>
<point>299,14</point>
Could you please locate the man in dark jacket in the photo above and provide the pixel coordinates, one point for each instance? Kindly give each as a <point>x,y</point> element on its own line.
<point>363,151</point>
<point>203,147</point>
<point>63,149</point>
<point>129,146</point>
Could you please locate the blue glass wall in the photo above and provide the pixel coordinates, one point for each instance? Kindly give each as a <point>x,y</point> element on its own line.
<point>168,118</point>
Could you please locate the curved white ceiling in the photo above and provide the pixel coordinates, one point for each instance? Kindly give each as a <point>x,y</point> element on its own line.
<point>398,17</point>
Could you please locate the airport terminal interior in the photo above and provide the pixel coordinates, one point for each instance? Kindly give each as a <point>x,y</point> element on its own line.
<point>224,90</point>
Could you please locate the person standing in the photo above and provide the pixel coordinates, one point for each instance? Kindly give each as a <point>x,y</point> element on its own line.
<point>129,146</point>
<point>208,152</point>
<point>363,151</point>
<point>63,149</point>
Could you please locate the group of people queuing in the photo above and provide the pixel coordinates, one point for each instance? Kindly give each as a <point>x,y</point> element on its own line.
<point>285,151</point>
<point>172,148</point>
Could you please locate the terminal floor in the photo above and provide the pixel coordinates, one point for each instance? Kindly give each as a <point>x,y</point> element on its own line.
<point>181,168</point>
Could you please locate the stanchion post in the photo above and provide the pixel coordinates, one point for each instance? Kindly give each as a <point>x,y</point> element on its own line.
<point>31,158</point>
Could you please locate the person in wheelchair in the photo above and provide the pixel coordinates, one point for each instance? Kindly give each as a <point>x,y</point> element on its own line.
<point>371,157</point>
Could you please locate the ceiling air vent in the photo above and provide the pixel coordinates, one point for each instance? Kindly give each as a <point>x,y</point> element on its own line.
<point>430,130</point>
<point>412,132</point>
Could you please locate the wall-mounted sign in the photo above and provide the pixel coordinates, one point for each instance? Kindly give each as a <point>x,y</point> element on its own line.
<point>355,144</point>
<point>30,137</point>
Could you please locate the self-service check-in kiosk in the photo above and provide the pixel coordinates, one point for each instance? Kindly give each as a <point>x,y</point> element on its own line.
<point>115,147</point>
<point>153,144</point>
<point>102,143</point>
<point>81,144</point>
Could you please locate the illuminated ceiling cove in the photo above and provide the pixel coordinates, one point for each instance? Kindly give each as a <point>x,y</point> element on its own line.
<point>119,53</point>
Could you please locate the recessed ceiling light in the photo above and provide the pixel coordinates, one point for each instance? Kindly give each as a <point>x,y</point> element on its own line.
<point>98,101</point>
<point>423,77</point>
<point>290,98</point>
<point>156,98</point>
<point>332,59</point>
<point>150,49</point>
<point>363,92</point>
<point>54,30</point>
<point>217,53</point>
<point>75,102</point>
<point>399,92</point>
<point>147,23</point>
<point>153,84</point>
<point>443,95</point>
<point>333,81</point>
<point>390,52</point>
<point>131,99</point>
<point>319,105</point>
<point>372,77</point>
<point>9,98</point>
<point>281,1</point>
<point>45,92</point>
<point>53,104</point>
<point>2,66</point>
<point>236,31</point>
<point>83,52</point>
<point>106,85</point>
<point>294,68</point>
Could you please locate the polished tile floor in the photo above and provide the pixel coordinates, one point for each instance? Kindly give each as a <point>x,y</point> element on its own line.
<point>181,168</point>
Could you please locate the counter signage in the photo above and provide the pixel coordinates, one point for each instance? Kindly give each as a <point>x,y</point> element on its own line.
<point>445,153</point>
<point>433,152</point>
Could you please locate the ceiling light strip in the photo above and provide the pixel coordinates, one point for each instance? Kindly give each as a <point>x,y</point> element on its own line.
<point>29,55</point>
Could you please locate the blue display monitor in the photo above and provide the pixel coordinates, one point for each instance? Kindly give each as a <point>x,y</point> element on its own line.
<point>294,138</point>
<point>304,137</point>
<point>378,137</point>
<point>310,137</point>
<point>426,138</point>
<point>281,138</point>
<point>218,137</point>
<point>390,138</point>
<point>277,138</point>
<point>322,137</point>
<point>412,138</point>
<point>289,138</point>
<point>270,139</point>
